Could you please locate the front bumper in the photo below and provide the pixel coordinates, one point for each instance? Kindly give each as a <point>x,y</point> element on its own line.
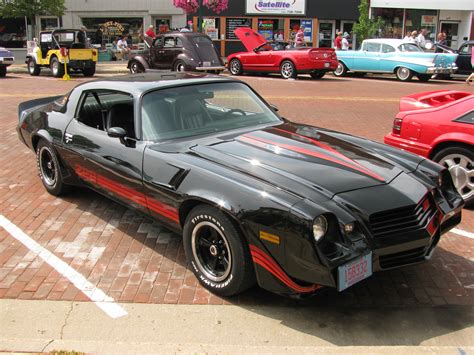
<point>437,70</point>
<point>6,61</point>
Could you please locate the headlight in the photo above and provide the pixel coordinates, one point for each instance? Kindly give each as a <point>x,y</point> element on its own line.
<point>320,227</point>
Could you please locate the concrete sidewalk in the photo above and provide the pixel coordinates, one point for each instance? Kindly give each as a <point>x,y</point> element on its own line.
<point>41,326</point>
<point>118,67</point>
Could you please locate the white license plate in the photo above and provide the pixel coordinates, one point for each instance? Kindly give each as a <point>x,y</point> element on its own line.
<point>206,64</point>
<point>326,65</point>
<point>354,271</point>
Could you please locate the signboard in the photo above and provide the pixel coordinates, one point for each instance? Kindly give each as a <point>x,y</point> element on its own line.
<point>112,28</point>
<point>308,30</point>
<point>234,23</point>
<point>427,20</point>
<point>275,7</point>
<point>209,26</point>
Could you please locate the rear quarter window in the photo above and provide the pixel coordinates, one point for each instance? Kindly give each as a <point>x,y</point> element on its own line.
<point>466,118</point>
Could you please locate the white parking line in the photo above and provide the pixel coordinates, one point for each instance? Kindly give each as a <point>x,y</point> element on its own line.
<point>96,295</point>
<point>463,233</point>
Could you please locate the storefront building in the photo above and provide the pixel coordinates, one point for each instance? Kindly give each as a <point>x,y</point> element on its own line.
<point>280,18</point>
<point>454,17</point>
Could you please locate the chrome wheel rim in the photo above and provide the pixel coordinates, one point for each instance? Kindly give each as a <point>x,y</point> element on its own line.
<point>287,70</point>
<point>134,68</point>
<point>403,73</point>
<point>461,169</point>
<point>211,251</point>
<point>339,70</point>
<point>180,67</point>
<point>47,166</point>
<point>31,66</point>
<point>234,67</point>
<point>55,67</point>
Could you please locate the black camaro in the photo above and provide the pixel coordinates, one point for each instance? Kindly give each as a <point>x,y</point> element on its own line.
<point>255,196</point>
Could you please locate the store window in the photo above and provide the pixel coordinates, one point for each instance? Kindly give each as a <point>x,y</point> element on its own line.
<point>296,24</point>
<point>49,23</point>
<point>270,28</point>
<point>105,30</point>
<point>231,24</point>
<point>12,33</point>
<point>415,20</point>
<point>162,25</point>
<point>393,22</point>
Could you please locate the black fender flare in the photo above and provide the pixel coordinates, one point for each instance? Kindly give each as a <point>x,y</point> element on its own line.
<point>140,60</point>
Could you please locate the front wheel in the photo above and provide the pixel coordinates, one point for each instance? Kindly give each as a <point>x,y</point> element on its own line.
<point>136,67</point>
<point>48,169</point>
<point>33,68</point>
<point>217,252</point>
<point>341,70</point>
<point>90,71</point>
<point>460,163</point>
<point>56,67</point>
<point>288,70</point>
<point>3,71</point>
<point>404,74</point>
<point>317,74</point>
<point>235,67</point>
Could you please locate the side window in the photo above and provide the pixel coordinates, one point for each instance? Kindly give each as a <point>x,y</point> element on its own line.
<point>158,42</point>
<point>466,49</point>
<point>387,49</point>
<point>372,47</point>
<point>169,42</point>
<point>179,42</point>
<point>105,108</point>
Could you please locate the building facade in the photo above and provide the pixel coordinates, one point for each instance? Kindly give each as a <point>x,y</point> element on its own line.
<point>321,20</point>
<point>454,17</point>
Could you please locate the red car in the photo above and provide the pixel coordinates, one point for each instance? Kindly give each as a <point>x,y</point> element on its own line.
<point>279,57</point>
<point>439,125</point>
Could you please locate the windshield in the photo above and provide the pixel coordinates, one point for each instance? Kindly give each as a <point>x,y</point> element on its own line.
<point>409,47</point>
<point>202,109</point>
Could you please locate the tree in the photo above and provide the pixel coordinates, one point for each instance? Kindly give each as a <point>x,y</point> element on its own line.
<point>366,27</point>
<point>191,6</point>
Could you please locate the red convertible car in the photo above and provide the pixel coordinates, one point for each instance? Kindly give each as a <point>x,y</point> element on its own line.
<point>439,125</point>
<point>279,57</point>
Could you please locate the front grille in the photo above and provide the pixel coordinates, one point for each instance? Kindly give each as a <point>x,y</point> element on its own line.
<point>402,258</point>
<point>402,220</point>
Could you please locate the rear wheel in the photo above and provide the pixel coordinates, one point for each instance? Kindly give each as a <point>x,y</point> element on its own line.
<point>3,71</point>
<point>288,70</point>
<point>33,68</point>
<point>341,70</point>
<point>460,163</point>
<point>317,74</point>
<point>136,67</point>
<point>404,74</point>
<point>56,67</point>
<point>89,71</point>
<point>217,251</point>
<point>235,67</point>
<point>48,168</point>
<point>179,66</point>
<point>424,77</point>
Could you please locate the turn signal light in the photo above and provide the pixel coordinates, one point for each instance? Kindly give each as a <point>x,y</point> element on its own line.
<point>397,126</point>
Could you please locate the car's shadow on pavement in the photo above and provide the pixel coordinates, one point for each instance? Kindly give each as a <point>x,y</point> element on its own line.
<point>406,306</point>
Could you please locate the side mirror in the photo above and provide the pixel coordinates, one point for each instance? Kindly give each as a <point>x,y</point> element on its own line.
<point>116,132</point>
<point>274,107</point>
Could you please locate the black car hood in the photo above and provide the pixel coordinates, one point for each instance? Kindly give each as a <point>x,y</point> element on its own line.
<point>301,159</point>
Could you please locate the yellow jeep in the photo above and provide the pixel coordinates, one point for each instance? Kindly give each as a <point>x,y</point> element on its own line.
<point>59,46</point>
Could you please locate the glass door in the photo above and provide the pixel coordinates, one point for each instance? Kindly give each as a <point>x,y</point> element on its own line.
<point>327,33</point>
<point>451,30</point>
<point>347,28</point>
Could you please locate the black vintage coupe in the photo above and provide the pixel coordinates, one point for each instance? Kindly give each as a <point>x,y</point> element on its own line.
<point>178,51</point>
<point>255,196</point>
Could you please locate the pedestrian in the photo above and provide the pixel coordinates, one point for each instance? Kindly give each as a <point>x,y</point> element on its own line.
<point>338,41</point>
<point>98,36</point>
<point>441,40</point>
<point>299,38</point>
<point>421,39</point>
<point>408,37</point>
<point>150,32</point>
<point>122,47</point>
<point>345,42</point>
<point>82,35</point>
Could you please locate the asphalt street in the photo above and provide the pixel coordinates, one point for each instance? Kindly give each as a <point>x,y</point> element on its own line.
<point>75,267</point>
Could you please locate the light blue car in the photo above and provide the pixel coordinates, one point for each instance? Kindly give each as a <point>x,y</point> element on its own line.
<point>395,56</point>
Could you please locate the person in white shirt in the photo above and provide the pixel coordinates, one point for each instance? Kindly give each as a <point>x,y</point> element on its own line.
<point>345,42</point>
<point>421,39</point>
<point>122,47</point>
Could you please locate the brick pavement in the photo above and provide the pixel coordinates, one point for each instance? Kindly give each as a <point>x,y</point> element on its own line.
<point>134,259</point>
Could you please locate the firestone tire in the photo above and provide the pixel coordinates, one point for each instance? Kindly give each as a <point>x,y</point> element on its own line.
<point>33,68</point>
<point>49,170</point>
<point>217,252</point>
<point>460,163</point>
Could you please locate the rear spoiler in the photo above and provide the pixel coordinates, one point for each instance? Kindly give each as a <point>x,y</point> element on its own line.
<point>28,105</point>
<point>431,99</point>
